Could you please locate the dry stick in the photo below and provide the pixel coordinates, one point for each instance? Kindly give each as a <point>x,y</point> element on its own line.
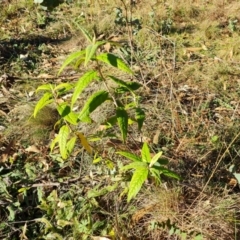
<point>214,170</point>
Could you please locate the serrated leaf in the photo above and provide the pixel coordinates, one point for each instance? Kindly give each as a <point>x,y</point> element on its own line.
<point>45,87</point>
<point>71,145</point>
<point>45,100</point>
<point>63,136</point>
<point>198,237</point>
<point>155,159</point>
<point>92,103</point>
<point>130,156</point>
<point>183,236</point>
<point>138,178</point>
<point>163,161</point>
<point>65,112</point>
<point>91,50</point>
<point>168,172</point>
<point>84,142</point>
<point>134,85</point>
<point>146,156</point>
<point>114,61</point>
<point>122,118</point>
<point>140,117</point>
<point>71,58</point>
<point>133,165</point>
<point>82,84</point>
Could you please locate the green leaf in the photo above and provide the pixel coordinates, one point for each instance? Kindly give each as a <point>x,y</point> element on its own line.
<point>11,215</point>
<point>71,58</point>
<point>82,84</point>
<point>130,105</point>
<point>171,174</point>
<point>110,122</point>
<point>138,178</point>
<point>167,172</point>
<point>23,189</point>
<point>68,115</point>
<point>54,142</point>
<point>63,223</point>
<point>133,165</point>
<point>114,61</point>
<point>120,82</point>
<point>79,62</point>
<point>45,87</point>
<point>63,136</point>
<point>63,87</point>
<point>133,86</point>
<point>96,192</point>
<point>71,145</point>
<point>122,118</point>
<point>140,117</point>
<point>130,156</point>
<point>156,174</point>
<point>92,103</point>
<point>146,157</point>
<point>91,50</point>
<point>44,101</point>
<point>47,223</point>
<point>155,159</point>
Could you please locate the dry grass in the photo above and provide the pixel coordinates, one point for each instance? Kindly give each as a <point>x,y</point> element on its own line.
<point>175,209</point>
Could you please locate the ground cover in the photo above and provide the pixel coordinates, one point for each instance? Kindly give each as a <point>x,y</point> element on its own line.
<point>185,54</point>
